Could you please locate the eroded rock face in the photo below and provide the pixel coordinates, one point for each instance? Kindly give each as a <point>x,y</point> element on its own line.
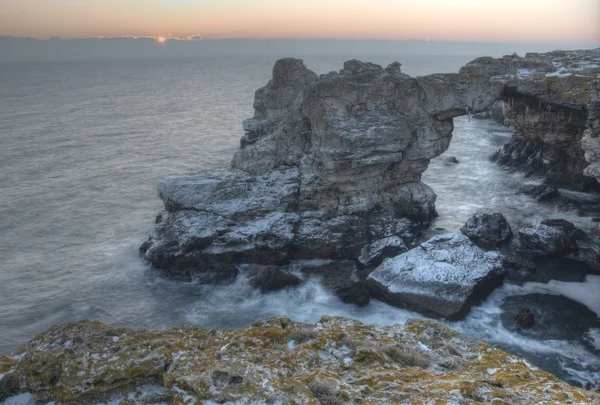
<point>327,166</point>
<point>591,135</point>
<point>274,361</point>
<point>546,102</point>
<point>442,277</point>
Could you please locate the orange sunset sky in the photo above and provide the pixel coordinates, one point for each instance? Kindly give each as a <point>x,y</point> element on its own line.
<point>464,20</point>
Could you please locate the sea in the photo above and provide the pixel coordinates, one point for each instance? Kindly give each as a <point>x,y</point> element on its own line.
<point>83,145</point>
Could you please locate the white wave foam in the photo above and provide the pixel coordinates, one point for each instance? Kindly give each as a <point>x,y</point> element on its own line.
<point>593,336</point>
<point>585,293</point>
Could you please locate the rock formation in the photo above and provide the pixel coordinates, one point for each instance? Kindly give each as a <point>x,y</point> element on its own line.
<point>487,230</point>
<point>328,165</point>
<point>276,361</point>
<point>549,100</point>
<point>442,277</point>
<point>554,237</point>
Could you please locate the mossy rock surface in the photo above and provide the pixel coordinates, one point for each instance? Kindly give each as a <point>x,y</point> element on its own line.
<point>337,361</point>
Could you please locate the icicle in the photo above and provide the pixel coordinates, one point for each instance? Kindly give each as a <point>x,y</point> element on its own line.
<point>549,108</point>
<point>470,114</point>
<point>527,109</point>
<point>540,106</point>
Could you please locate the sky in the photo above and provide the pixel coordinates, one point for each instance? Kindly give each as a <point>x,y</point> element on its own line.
<point>557,21</point>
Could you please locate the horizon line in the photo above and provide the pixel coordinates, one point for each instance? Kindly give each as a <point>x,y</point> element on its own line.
<point>200,38</point>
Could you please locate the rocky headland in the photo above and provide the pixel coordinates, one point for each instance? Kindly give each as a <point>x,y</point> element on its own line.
<point>330,168</point>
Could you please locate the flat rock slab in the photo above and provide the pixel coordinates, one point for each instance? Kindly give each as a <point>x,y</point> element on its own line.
<point>442,277</point>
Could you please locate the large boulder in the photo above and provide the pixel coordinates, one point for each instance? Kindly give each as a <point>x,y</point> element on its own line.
<point>442,277</point>
<point>554,237</point>
<point>487,230</point>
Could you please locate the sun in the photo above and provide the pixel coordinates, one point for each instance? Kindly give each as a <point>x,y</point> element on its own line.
<point>161,39</point>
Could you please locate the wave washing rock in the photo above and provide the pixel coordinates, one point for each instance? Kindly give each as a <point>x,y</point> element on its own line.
<point>442,277</point>
<point>328,165</point>
<point>546,102</point>
<point>276,361</point>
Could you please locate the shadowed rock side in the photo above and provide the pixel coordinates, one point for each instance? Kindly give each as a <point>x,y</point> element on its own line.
<point>276,361</point>
<point>546,102</point>
<point>328,166</point>
<point>591,136</point>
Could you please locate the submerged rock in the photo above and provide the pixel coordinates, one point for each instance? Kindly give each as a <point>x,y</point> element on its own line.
<point>452,160</point>
<point>555,237</point>
<point>274,361</point>
<point>487,230</point>
<point>525,318</point>
<point>541,192</point>
<point>270,278</point>
<point>442,277</point>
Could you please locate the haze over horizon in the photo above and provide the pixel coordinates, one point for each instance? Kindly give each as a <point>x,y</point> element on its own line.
<point>540,21</point>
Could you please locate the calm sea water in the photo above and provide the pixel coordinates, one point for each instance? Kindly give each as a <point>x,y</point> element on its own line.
<point>82,146</point>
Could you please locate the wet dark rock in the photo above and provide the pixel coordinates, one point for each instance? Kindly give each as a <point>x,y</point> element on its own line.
<point>551,237</point>
<point>496,112</point>
<point>556,317</point>
<point>374,254</point>
<point>565,226</point>
<point>487,230</point>
<point>451,160</point>
<point>519,268</point>
<point>541,192</point>
<point>341,278</point>
<point>442,277</point>
<point>525,318</point>
<point>270,278</point>
<point>518,261</point>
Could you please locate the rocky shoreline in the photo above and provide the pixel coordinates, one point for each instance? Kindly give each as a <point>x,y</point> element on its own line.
<point>327,182</point>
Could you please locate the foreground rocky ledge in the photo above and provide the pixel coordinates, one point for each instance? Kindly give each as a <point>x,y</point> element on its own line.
<point>276,361</point>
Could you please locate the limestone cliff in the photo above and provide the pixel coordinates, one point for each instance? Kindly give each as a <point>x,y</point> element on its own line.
<point>277,361</point>
<point>546,102</point>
